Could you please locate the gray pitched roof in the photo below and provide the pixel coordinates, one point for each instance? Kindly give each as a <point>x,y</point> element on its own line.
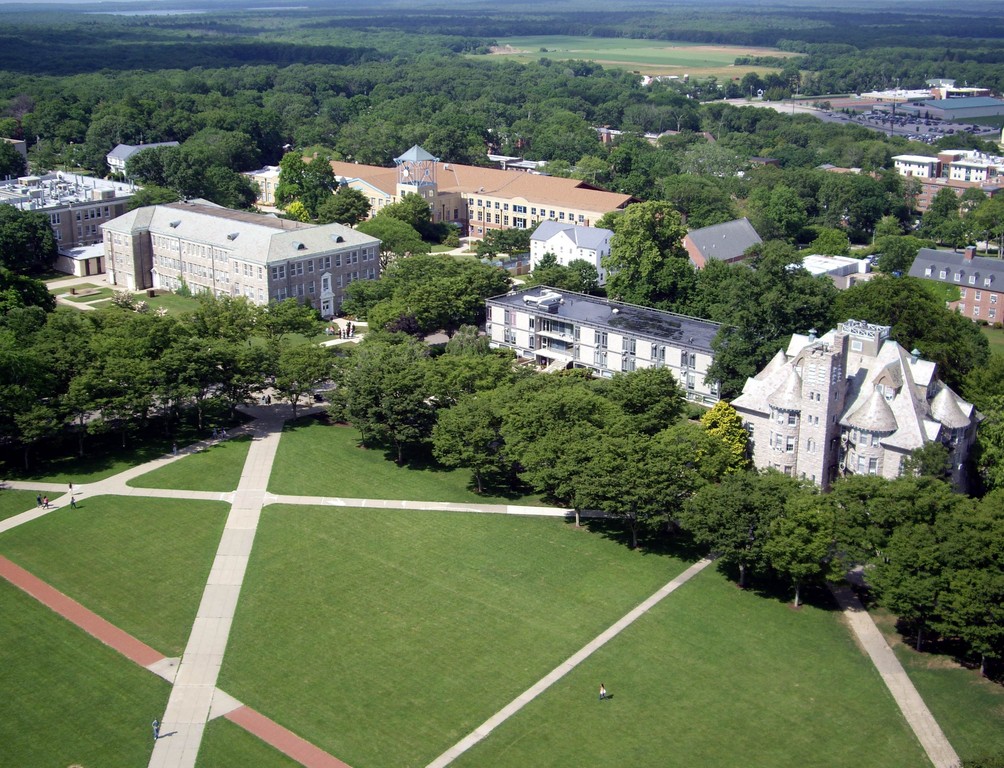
<point>583,237</point>
<point>725,241</point>
<point>981,268</point>
<point>125,151</point>
<point>414,155</point>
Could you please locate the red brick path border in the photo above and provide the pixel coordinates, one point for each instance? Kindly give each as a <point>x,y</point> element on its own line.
<point>250,720</point>
<point>70,609</point>
<point>282,739</point>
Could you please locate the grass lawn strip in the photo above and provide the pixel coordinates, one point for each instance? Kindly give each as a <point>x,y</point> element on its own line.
<point>216,468</point>
<point>68,699</point>
<point>141,564</point>
<point>13,502</point>
<point>384,637</point>
<point>319,460</point>
<point>225,745</point>
<point>968,707</point>
<point>996,338</point>
<point>715,676</point>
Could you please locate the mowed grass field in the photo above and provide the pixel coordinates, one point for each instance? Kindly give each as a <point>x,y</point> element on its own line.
<point>318,459</point>
<point>215,468</point>
<point>648,57</point>
<point>142,564</point>
<point>386,636</point>
<point>69,700</point>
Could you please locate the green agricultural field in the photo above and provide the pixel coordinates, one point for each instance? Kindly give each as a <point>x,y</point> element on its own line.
<point>67,699</point>
<point>969,708</point>
<point>316,459</point>
<point>717,677</point>
<point>141,564</point>
<point>648,57</point>
<point>225,745</point>
<point>216,468</point>
<point>384,636</point>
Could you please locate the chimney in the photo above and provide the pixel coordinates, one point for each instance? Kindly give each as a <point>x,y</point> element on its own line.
<point>969,252</point>
<point>812,334</point>
<point>914,355</point>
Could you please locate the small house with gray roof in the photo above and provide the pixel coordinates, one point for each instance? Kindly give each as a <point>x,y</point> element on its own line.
<point>726,242</point>
<point>570,242</point>
<point>120,155</point>
<point>980,280</point>
<point>563,329</point>
<point>852,402</point>
<point>237,253</point>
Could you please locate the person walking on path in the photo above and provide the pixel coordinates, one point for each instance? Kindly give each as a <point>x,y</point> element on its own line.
<point>174,449</point>
<point>73,502</point>
<point>45,502</point>
<point>156,729</point>
<point>603,692</point>
<point>38,500</point>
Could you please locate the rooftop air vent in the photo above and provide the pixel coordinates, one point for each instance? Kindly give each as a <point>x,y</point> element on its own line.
<point>232,235</point>
<point>175,224</point>
<point>338,238</point>
<point>297,245</point>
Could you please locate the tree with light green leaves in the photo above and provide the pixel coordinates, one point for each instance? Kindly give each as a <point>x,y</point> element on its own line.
<point>724,422</point>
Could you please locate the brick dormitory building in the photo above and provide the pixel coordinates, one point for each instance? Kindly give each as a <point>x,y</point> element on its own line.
<point>475,199</point>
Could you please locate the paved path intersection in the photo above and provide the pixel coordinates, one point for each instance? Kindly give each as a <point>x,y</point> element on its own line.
<point>195,699</point>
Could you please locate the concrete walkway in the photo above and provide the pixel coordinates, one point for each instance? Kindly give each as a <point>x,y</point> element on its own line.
<point>192,697</point>
<point>493,722</point>
<point>919,717</point>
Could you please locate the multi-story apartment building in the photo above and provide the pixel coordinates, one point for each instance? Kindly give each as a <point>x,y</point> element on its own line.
<point>266,179</point>
<point>955,169</point>
<point>569,242</point>
<point>851,402</point>
<point>980,280</point>
<point>562,329</point>
<point>475,199</point>
<point>236,253</point>
<point>76,207</point>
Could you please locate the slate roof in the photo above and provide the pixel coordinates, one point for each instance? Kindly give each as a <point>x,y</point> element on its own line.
<point>726,241</point>
<point>591,238</point>
<point>249,236</point>
<point>983,268</point>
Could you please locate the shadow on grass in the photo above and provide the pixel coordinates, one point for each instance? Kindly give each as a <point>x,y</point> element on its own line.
<point>770,585</point>
<point>679,544</point>
<point>59,458</point>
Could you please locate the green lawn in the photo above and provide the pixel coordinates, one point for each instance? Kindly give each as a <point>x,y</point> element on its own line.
<point>316,459</point>
<point>69,700</point>
<point>142,564</point>
<point>172,302</point>
<point>384,636</point>
<point>996,338</point>
<point>715,676</point>
<point>81,298</point>
<point>217,468</point>
<point>15,502</point>
<point>226,745</point>
<point>968,707</point>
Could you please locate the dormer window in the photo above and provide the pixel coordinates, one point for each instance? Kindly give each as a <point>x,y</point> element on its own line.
<point>972,279</point>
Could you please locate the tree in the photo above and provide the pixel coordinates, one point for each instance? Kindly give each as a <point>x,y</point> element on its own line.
<point>280,318</point>
<point>468,435</point>
<point>896,253</point>
<point>396,238</point>
<point>777,212</point>
<point>507,241</point>
<point>830,242</point>
<point>930,460</point>
<point>989,453</point>
<point>12,164</point>
<point>151,195</point>
<point>347,206</point>
<point>310,183</point>
<point>414,210</point>
<point>733,518</point>
<point>800,540</point>
<point>301,367</point>
<point>27,243</point>
<point>724,423</point>
<point>647,263</point>
<point>651,398</point>
<point>579,276</point>
<point>988,220</point>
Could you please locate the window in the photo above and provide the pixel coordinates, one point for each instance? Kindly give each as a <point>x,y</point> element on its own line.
<point>977,295</point>
<point>972,279</point>
<point>789,444</point>
<point>986,282</point>
<point>993,298</point>
<point>600,338</point>
<point>927,272</point>
<point>943,274</point>
<point>962,293</point>
<point>958,276</point>
<point>976,311</point>
<point>993,313</point>
<point>872,466</point>
<point>792,419</point>
<point>278,273</point>
<point>810,445</point>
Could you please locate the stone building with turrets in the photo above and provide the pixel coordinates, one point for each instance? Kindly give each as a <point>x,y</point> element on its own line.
<point>851,402</point>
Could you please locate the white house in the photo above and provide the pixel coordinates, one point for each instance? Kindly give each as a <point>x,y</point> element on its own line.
<point>569,242</point>
<point>119,156</point>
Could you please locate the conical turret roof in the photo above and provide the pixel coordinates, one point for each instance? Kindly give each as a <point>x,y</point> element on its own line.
<point>788,396</point>
<point>874,416</point>
<point>945,408</point>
